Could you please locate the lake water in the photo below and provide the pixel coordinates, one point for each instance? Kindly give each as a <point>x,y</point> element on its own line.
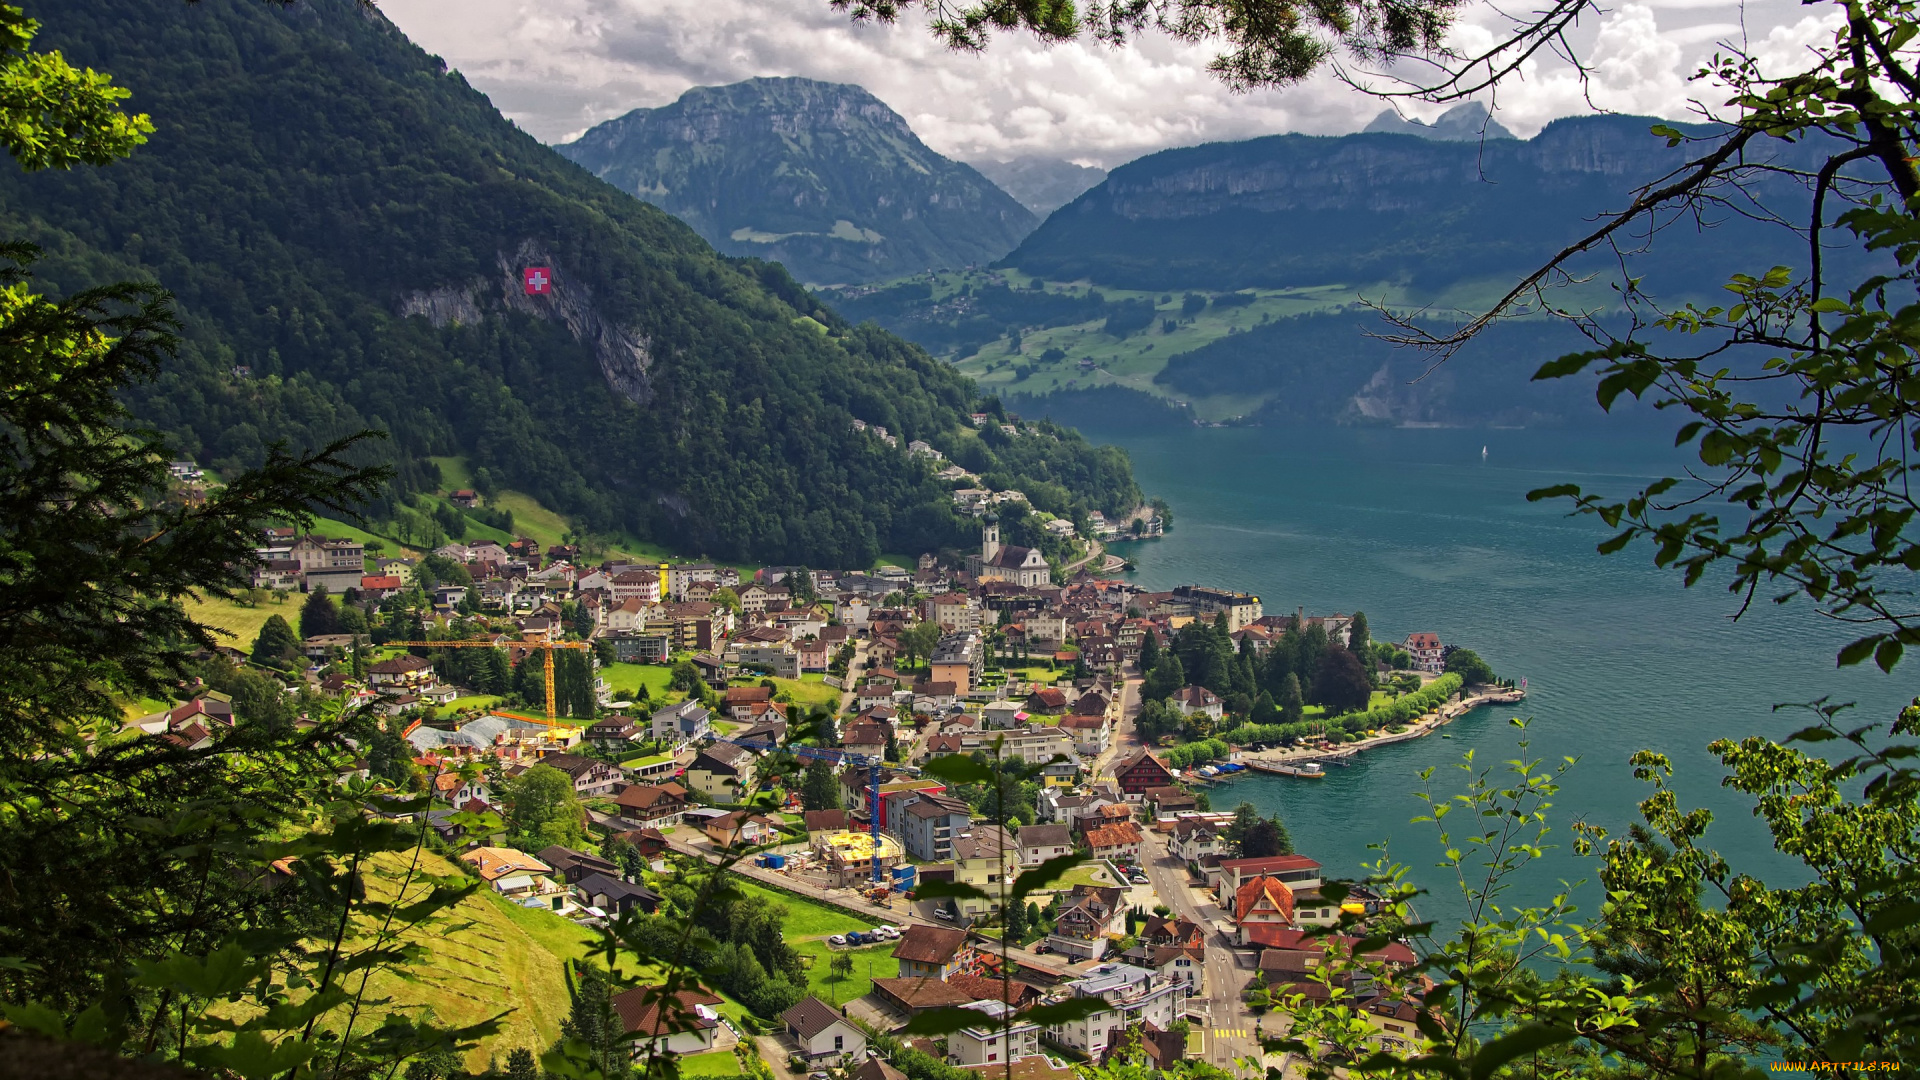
<point>1415,529</point>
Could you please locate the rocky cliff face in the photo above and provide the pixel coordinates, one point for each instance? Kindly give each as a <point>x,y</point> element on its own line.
<point>1373,172</point>
<point>1042,184</point>
<point>1296,210</point>
<point>823,177</point>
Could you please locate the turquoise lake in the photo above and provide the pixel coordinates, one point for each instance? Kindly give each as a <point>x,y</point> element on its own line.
<point>1415,529</point>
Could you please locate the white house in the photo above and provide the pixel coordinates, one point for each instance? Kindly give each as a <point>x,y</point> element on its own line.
<point>1427,652</point>
<point>1038,843</point>
<point>1133,994</point>
<point>688,1027</point>
<point>992,1042</point>
<point>1198,699</point>
<point>822,1035</point>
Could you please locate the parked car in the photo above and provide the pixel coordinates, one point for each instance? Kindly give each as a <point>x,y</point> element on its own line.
<point>1042,949</point>
<point>943,914</point>
<point>837,939</point>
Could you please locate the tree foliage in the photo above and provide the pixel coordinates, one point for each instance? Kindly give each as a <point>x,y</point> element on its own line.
<point>355,176</point>
<point>543,810</point>
<point>1467,664</point>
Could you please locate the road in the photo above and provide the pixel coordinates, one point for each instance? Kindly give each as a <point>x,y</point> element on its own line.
<point>1229,1032</point>
<point>1094,551</point>
<point>1123,741</point>
<point>850,682</point>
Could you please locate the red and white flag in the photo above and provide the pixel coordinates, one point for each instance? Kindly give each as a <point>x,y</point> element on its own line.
<point>539,280</point>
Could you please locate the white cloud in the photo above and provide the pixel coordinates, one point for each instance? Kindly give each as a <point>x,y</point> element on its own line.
<point>559,66</point>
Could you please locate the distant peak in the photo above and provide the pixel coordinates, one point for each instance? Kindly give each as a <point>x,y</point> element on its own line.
<point>1467,122</point>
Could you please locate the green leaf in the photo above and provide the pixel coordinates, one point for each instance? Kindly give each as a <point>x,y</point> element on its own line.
<point>227,970</point>
<point>958,769</point>
<point>36,1016</point>
<point>1858,651</point>
<point>1557,491</point>
<point>1046,873</point>
<point>935,889</point>
<point>1062,1012</point>
<point>1894,917</point>
<point>1570,364</point>
<point>253,1057</point>
<point>1526,1039</point>
<point>944,1021</point>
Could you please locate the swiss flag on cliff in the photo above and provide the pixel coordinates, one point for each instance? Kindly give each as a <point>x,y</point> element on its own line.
<point>539,280</point>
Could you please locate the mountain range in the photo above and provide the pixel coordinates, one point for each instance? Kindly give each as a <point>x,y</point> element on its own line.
<point>1224,278</point>
<point>1468,122</point>
<point>1300,210</point>
<point>821,177</point>
<point>347,227</point>
<point>1042,184</point>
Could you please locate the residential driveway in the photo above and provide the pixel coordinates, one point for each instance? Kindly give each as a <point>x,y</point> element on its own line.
<point>774,1052</point>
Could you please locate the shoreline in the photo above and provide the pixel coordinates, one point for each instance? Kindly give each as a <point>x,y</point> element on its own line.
<point>1421,728</point>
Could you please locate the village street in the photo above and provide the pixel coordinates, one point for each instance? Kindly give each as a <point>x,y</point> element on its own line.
<point>1228,1031</point>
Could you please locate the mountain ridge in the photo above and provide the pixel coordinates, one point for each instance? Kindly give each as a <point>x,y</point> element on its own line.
<point>1041,184</point>
<point>822,177</point>
<point>344,222</point>
<point>1290,210</point>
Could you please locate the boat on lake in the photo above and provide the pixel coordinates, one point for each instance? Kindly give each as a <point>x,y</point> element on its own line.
<point>1304,770</point>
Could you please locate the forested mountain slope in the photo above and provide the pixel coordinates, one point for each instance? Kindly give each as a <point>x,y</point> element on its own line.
<point>1299,210</point>
<point>821,177</point>
<point>346,224</point>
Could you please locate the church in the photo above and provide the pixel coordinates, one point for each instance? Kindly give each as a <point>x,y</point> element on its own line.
<point>1007,562</point>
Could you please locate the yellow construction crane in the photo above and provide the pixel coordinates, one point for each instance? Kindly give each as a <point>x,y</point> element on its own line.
<point>546,648</point>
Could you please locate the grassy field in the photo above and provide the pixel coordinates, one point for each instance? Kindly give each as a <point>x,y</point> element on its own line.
<point>1084,874</point>
<point>135,708</point>
<point>387,547</point>
<point>454,473</point>
<point>808,926</point>
<point>1095,358</point>
<point>870,963</point>
<point>808,690</point>
<point>718,1063</point>
<point>805,919</point>
<point>626,679</point>
<point>1039,673</point>
<point>478,701</point>
<point>490,957</point>
<point>241,621</point>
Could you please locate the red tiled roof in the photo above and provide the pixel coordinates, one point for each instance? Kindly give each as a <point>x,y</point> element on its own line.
<point>1272,864</point>
<point>1117,835</point>
<point>643,1009</point>
<point>1270,889</point>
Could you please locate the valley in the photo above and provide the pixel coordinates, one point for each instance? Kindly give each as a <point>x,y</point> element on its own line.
<point>1197,356</point>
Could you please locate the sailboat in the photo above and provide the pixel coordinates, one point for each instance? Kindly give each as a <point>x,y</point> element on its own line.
<point>1483,453</point>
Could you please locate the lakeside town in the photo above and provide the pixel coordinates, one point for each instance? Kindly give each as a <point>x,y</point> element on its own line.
<point>788,722</point>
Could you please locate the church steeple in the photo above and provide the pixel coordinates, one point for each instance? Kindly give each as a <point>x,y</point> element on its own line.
<point>990,539</point>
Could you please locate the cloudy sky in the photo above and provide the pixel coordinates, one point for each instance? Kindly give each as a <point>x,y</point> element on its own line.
<point>558,67</point>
